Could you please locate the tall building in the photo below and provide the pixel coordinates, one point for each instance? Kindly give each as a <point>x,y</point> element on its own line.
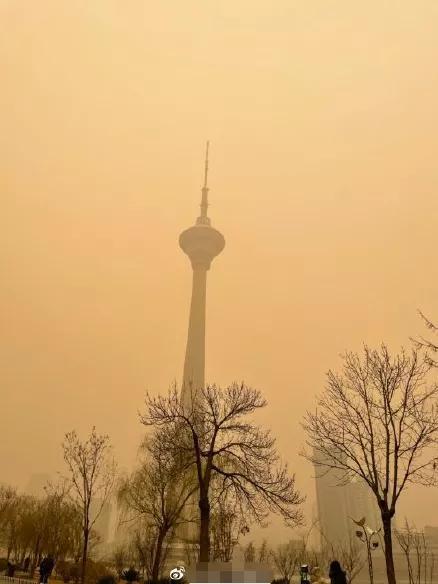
<point>202,243</point>
<point>331,502</point>
<point>361,502</point>
<point>339,501</point>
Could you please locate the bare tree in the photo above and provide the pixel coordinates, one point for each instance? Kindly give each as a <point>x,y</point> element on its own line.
<point>191,552</point>
<point>378,420</point>
<point>32,526</point>
<point>59,522</point>
<point>264,552</point>
<point>10,513</point>
<point>157,492</point>
<point>55,519</point>
<point>430,346</point>
<point>249,553</point>
<point>419,557</point>
<point>216,442</point>
<point>8,496</point>
<point>119,558</point>
<point>26,523</point>
<point>92,472</point>
<point>287,558</point>
<point>349,553</point>
<point>226,527</point>
<point>144,547</point>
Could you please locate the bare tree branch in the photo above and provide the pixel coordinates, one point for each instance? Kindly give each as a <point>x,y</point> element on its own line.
<point>92,472</point>
<point>216,439</point>
<point>378,420</point>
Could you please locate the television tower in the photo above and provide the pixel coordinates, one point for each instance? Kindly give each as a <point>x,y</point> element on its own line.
<point>202,243</point>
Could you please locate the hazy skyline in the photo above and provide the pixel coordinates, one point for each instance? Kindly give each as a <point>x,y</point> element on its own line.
<point>323,125</point>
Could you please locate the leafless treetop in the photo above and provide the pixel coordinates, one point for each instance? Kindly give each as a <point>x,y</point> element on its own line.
<point>378,420</point>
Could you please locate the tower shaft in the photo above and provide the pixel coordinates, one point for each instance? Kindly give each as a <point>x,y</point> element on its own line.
<point>194,363</point>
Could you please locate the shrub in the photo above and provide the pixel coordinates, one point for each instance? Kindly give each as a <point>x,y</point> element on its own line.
<point>96,571</point>
<point>130,575</point>
<point>68,570</point>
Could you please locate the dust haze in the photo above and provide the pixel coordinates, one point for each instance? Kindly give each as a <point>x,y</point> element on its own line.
<point>323,126</point>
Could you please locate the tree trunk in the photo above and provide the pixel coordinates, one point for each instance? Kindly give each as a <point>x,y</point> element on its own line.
<point>387,536</point>
<point>84,555</point>
<point>204,531</point>
<point>157,557</point>
<point>35,556</point>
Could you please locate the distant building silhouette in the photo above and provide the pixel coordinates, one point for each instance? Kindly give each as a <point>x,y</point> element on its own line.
<point>339,501</point>
<point>361,502</point>
<point>331,503</point>
<point>36,484</point>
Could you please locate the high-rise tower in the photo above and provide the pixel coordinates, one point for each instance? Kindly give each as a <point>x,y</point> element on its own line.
<point>202,243</point>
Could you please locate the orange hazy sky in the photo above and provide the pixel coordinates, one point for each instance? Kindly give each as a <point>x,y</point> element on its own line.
<point>323,123</point>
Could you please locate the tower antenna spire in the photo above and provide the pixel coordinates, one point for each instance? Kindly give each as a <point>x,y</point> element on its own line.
<point>203,218</point>
<point>206,164</point>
